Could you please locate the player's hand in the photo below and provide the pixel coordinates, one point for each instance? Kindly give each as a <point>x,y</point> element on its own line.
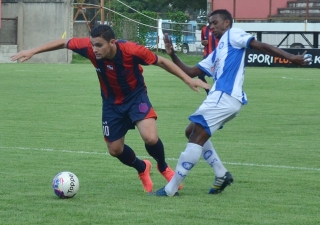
<point>301,60</point>
<point>195,83</point>
<point>204,42</point>
<point>23,55</point>
<point>168,44</point>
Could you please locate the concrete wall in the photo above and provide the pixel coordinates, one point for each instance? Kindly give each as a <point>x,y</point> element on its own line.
<point>41,21</point>
<point>6,51</point>
<point>0,12</point>
<point>80,29</point>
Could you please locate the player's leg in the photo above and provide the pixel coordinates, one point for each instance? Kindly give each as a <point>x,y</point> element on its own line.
<point>145,117</point>
<point>223,178</point>
<point>187,160</point>
<point>154,146</point>
<point>215,111</point>
<point>224,110</point>
<point>115,125</point>
<point>128,157</point>
<point>125,154</point>
<point>209,154</point>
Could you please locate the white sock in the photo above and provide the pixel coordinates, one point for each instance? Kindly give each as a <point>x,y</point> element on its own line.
<point>212,158</point>
<point>187,160</point>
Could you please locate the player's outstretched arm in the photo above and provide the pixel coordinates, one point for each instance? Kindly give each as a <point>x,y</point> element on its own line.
<point>274,51</point>
<point>174,69</point>
<point>50,46</point>
<point>192,72</point>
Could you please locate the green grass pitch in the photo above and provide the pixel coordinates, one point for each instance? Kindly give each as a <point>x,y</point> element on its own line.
<point>50,121</point>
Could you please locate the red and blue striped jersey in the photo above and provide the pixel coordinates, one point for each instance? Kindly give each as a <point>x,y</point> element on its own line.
<point>207,34</point>
<point>120,78</point>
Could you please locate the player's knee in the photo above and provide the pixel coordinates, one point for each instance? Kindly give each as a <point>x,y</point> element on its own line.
<point>198,136</point>
<point>114,150</point>
<point>188,131</point>
<point>151,140</point>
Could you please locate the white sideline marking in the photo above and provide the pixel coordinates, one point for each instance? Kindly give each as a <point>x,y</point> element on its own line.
<point>169,159</point>
<point>290,78</point>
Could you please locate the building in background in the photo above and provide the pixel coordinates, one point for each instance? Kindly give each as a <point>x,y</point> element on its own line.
<point>281,23</point>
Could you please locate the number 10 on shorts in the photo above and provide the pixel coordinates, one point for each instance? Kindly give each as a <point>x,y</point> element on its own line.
<point>105,129</point>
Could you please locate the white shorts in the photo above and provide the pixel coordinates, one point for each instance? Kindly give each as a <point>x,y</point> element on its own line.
<point>215,111</point>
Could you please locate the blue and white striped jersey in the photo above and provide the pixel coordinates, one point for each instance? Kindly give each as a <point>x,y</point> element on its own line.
<point>226,64</point>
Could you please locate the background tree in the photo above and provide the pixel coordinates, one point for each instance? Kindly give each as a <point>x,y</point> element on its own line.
<point>160,6</point>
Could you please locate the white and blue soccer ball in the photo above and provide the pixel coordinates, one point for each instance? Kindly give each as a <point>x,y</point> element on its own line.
<point>308,58</point>
<point>65,184</point>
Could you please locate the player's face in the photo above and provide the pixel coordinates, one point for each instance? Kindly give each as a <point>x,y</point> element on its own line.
<point>218,25</point>
<point>102,48</point>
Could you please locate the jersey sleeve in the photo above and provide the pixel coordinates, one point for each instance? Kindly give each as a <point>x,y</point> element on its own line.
<point>79,45</point>
<point>240,38</point>
<point>206,65</point>
<point>143,55</point>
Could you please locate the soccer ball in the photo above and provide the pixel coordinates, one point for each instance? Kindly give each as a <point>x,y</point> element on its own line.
<point>65,184</point>
<point>308,58</point>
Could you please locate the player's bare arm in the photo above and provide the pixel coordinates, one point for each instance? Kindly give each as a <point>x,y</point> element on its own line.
<point>274,51</point>
<point>50,46</point>
<point>191,71</point>
<point>172,68</point>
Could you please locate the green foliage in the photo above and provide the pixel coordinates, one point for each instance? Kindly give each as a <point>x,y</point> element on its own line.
<point>138,5</point>
<point>149,24</point>
<point>124,28</point>
<point>178,17</point>
<point>136,26</point>
<point>78,59</point>
<point>182,5</point>
<point>160,6</point>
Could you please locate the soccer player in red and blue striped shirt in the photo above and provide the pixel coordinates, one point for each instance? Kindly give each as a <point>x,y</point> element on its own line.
<point>124,93</point>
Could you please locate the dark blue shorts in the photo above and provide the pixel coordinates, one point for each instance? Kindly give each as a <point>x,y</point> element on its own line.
<point>118,119</point>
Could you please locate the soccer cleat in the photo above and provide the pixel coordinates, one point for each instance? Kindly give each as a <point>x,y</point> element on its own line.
<point>145,177</point>
<point>162,193</point>
<point>220,183</point>
<point>168,174</point>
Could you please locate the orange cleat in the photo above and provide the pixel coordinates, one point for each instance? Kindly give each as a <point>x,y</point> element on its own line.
<point>145,177</point>
<point>168,174</point>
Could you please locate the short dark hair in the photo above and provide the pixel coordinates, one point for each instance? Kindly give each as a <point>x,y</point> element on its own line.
<point>224,14</point>
<point>103,31</point>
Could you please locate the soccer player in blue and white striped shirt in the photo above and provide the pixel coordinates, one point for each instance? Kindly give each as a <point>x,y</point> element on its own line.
<point>226,65</point>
